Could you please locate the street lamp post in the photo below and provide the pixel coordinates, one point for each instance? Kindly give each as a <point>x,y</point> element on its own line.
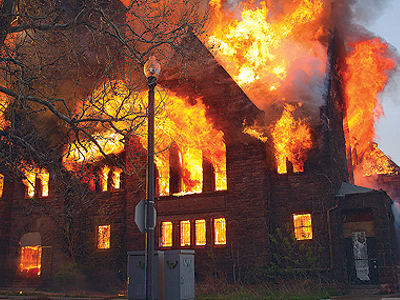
<point>152,71</point>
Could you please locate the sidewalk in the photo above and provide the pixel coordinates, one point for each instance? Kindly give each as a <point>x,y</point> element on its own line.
<point>368,297</point>
<point>28,294</point>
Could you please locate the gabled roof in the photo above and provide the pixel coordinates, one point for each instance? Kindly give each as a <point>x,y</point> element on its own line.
<point>195,73</point>
<point>350,189</point>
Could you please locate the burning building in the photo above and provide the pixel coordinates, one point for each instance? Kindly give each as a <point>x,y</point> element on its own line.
<point>257,147</point>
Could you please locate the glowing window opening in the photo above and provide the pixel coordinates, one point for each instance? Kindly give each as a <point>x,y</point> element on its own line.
<point>44,177</point>
<point>30,181</point>
<point>185,233</point>
<point>116,178</point>
<point>302,226</point>
<point>30,184</point>
<point>166,234</point>
<point>104,178</point>
<point>103,237</point>
<point>220,231</point>
<point>1,185</point>
<point>200,232</point>
<point>30,260</point>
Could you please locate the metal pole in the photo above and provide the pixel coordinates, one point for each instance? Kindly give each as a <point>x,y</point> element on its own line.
<point>151,82</point>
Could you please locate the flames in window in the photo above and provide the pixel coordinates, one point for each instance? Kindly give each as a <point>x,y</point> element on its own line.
<point>31,174</point>
<point>115,174</point>
<point>104,178</point>
<point>219,231</point>
<point>30,260</point>
<point>177,122</point>
<point>166,234</point>
<point>103,237</point>
<point>200,230</point>
<point>116,178</point>
<point>1,184</point>
<point>292,141</point>
<point>185,233</point>
<point>302,226</point>
<point>191,138</point>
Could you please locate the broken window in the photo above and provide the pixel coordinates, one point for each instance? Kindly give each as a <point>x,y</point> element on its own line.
<point>30,254</point>
<point>302,226</point>
<point>200,232</point>
<point>219,231</point>
<point>166,234</point>
<point>44,177</point>
<point>30,182</point>
<point>110,177</point>
<point>185,233</point>
<point>1,184</point>
<point>116,178</point>
<point>30,260</point>
<point>104,178</point>
<point>36,178</point>
<point>103,237</point>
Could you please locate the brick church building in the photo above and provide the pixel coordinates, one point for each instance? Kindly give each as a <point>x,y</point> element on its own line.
<point>235,229</point>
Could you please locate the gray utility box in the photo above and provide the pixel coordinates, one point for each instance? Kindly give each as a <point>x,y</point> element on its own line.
<point>178,274</point>
<point>136,275</point>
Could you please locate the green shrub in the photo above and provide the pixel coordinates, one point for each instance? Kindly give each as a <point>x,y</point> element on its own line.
<point>289,260</point>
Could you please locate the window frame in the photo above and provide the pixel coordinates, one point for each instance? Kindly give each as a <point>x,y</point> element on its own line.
<point>98,237</point>
<point>195,233</point>
<point>215,244</point>
<point>294,228</point>
<point>181,228</point>
<point>162,235</point>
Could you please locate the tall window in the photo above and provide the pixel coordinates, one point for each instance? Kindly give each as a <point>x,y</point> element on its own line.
<point>302,226</point>
<point>103,237</point>
<point>116,178</point>
<point>30,182</point>
<point>219,231</point>
<point>166,234</point>
<point>200,232</point>
<point>185,233</point>
<point>44,176</point>
<point>31,175</point>
<point>105,171</point>
<point>30,260</point>
<point>30,255</point>
<point>1,184</point>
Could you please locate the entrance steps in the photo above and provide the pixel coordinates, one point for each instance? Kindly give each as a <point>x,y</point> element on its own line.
<point>21,285</point>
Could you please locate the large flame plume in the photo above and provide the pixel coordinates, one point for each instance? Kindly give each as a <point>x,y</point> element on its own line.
<point>366,76</point>
<point>277,59</point>
<point>262,52</point>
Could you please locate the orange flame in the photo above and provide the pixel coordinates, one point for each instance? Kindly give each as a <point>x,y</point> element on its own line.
<point>258,52</point>
<point>292,140</point>
<point>366,77</point>
<point>31,173</point>
<point>186,126</point>
<point>30,260</point>
<point>374,162</point>
<point>266,53</point>
<point>177,122</point>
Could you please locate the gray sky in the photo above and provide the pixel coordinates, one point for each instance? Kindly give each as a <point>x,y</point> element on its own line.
<point>388,129</point>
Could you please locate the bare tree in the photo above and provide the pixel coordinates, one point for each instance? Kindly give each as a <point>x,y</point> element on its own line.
<point>71,83</point>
